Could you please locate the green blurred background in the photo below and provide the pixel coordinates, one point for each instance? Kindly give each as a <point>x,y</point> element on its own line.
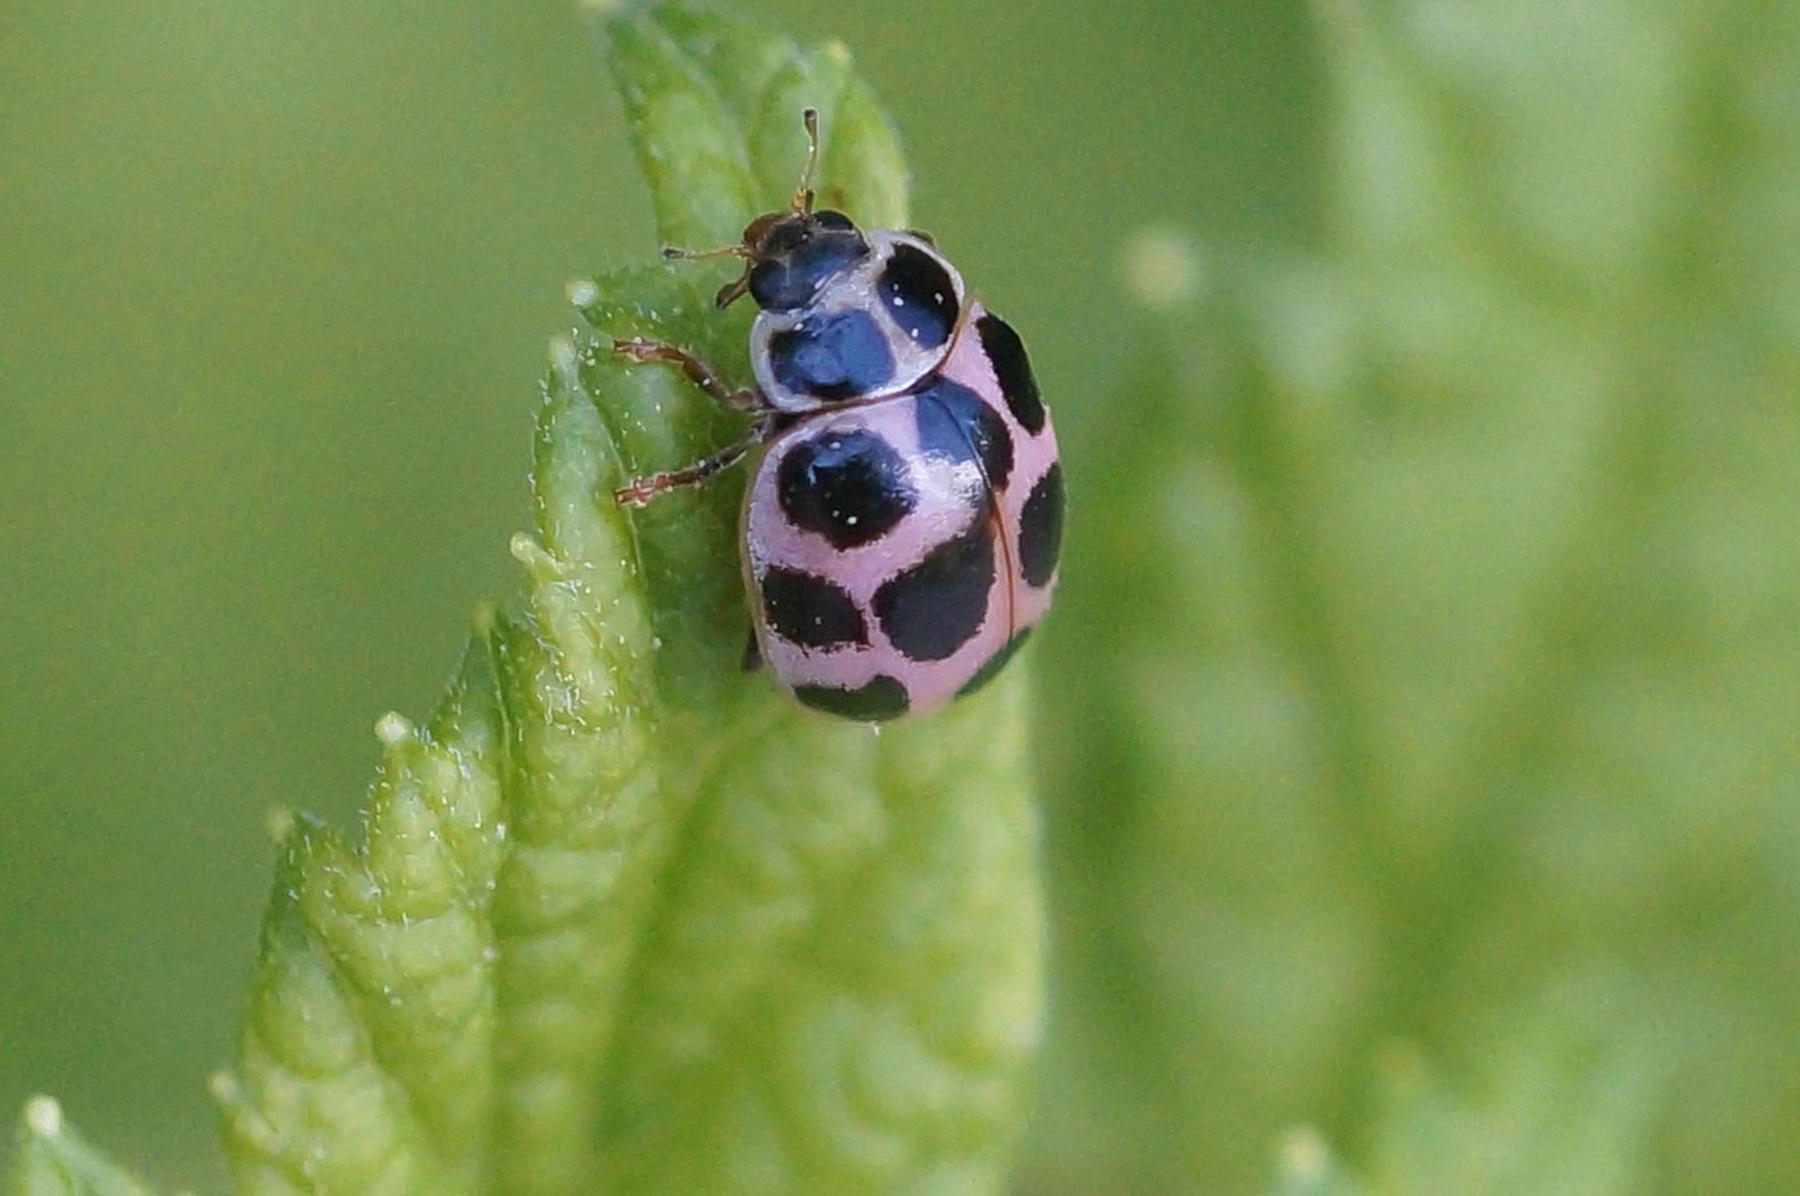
<point>1420,747</point>
<point>276,282</point>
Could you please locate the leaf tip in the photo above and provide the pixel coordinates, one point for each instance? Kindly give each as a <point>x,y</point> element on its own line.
<point>583,293</point>
<point>225,1090</point>
<point>278,824</point>
<point>526,550</point>
<point>1163,268</point>
<point>565,359</point>
<point>43,1117</point>
<point>393,729</point>
<point>1302,1157</point>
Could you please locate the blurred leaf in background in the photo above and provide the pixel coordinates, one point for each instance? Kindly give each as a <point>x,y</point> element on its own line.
<point>1423,721</point>
<point>1418,722</point>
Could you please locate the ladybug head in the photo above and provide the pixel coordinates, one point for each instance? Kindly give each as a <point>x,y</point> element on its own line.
<point>792,254</point>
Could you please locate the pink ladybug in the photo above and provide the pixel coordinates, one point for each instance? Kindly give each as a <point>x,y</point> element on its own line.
<point>902,529</point>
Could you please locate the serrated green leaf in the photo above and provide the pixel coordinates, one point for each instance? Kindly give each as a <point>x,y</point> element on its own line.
<point>51,1159</point>
<point>622,918</point>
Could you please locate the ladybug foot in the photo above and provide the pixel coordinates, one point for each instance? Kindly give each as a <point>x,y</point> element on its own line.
<point>645,352</point>
<point>642,490</point>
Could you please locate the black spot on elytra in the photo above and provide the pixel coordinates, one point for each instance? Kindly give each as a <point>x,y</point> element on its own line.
<point>810,611</point>
<point>1040,528</point>
<point>839,356</point>
<point>883,697</point>
<point>917,294</point>
<point>1013,369</point>
<point>955,423</point>
<point>995,663</point>
<point>849,487</point>
<point>936,606</point>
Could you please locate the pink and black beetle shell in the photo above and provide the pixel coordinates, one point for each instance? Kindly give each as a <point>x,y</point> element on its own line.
<point>902,528</point>
<point>898,550</point>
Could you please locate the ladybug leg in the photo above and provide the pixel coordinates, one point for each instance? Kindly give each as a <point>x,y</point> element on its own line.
<point>698,372</point>
<point>642,490</point>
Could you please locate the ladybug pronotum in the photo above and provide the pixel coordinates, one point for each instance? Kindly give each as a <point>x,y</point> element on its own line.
<point>902,527</point>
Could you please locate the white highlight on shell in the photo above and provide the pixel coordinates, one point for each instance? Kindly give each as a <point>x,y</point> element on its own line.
<point>1161,268</point>
<point>584,292</point>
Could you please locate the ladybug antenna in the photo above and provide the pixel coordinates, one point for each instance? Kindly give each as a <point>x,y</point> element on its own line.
<point>746,250</point>
<point>803,195</point>
<point>730,290</point>
<point>672,254</point>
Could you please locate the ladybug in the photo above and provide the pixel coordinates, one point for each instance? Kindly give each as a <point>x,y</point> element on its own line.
<point>902,528</point>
